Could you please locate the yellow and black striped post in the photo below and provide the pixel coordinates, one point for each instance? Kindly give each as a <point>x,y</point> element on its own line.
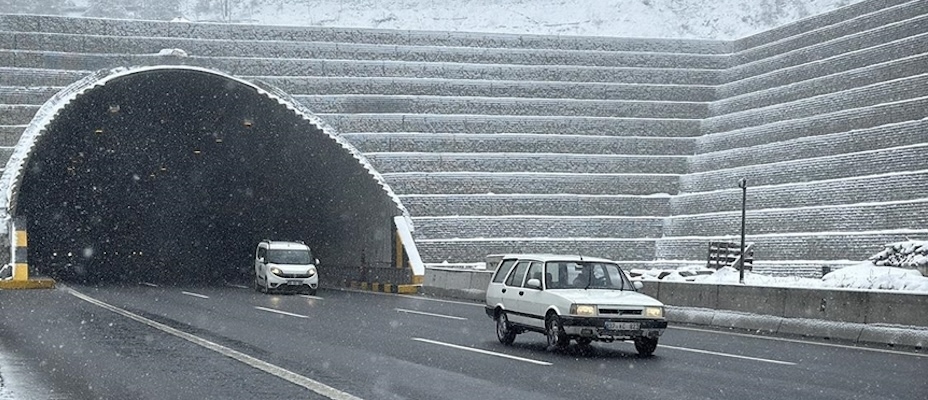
<point>20,252</point>
<point>20,261</point>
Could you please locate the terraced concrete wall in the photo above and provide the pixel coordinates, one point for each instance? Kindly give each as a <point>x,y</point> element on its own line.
<point>827,123</point>
<point>624,148</point>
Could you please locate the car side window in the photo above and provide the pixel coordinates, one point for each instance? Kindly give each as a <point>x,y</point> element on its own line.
<point>534,272</point>
<point>503,270</point>
<point>556,276</point>
<point>262,252</point>
<point>515,278</point>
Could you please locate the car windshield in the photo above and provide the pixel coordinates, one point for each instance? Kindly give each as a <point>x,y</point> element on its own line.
<point>295,256</point>
<point>585,275</point>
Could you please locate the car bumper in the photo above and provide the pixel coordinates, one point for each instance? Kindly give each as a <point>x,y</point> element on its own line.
<point>613,328</point>
<point>278,283</point>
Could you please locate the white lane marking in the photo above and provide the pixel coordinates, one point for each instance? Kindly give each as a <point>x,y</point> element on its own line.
<point>311,297</point>
<point>481,305</point>
<point>239,286</point>
<point>407,296</point>
<point>280,312</point>
<point>272,369</point>
<point>727,355</point>
<point>403,310</point>
<point>489,353</point>
<point>148,284</point>
<point>840,346</point>
<point>202,296</point>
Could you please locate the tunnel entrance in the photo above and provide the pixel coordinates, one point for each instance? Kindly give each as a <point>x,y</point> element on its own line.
<point>174,175</point>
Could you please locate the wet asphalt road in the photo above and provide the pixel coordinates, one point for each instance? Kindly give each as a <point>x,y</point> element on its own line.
<point>143,342</point>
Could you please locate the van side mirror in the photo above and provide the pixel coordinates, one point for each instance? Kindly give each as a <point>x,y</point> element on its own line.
<point>533,284</point>
<point>317,261</point>
<point>261,260</point>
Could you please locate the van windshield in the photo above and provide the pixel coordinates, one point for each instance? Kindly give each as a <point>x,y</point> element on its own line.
<point>295,256</point>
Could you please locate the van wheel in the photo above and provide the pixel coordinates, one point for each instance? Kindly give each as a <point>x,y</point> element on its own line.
<point>257,288</point>
<point>584,341</point>
<point>266,288</point>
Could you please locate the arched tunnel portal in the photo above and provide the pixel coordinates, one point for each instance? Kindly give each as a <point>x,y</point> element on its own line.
<point>175,173</point>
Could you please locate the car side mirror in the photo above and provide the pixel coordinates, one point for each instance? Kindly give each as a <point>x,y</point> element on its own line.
<point>261,260</point>
<point>317,261</point>
<point>533,284</point>
<point>638,285</point>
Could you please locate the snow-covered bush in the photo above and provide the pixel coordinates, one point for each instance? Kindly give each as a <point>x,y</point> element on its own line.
<point>910,254</point>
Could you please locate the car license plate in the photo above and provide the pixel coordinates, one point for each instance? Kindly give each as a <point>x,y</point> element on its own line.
<point>294,283</point>
<point>622,326</point>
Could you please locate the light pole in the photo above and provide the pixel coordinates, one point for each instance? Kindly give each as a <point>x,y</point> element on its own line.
<point>743,184</point>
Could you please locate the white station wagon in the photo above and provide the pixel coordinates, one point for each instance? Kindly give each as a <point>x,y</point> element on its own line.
<point>570,297</point>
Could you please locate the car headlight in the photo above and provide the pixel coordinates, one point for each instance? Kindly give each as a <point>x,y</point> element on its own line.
<point>583,309</point>
<point>276,271</point>
<point>311,271</point>
<point>654,312</point>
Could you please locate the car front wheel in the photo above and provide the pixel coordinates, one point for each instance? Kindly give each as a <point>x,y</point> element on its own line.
<point>645,346</point>
<point>504,331</point>
<point>557,338</point>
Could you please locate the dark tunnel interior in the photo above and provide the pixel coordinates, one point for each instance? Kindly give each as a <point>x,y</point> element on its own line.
<point>175,175</point>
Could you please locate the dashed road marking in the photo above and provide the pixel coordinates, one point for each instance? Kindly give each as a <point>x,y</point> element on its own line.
<point>280,312</point>
<point>311,297</point>
<point>481,351</point>
<point>202,296</point>
<point>727,355</point>
<point>403,310</point>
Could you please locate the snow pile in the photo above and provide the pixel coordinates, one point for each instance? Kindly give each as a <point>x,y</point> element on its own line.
<point>911,254</point>
<point>173,53</point>
<point>867,276</point>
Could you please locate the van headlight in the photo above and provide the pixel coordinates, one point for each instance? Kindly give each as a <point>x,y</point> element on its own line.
<point>654,312</point>
<point>276,271</point>
<point>311,271</point>
<point>583,309</point>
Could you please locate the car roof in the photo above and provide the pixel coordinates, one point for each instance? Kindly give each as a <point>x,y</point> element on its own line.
<point>550,257</point>
<point>285,245</point>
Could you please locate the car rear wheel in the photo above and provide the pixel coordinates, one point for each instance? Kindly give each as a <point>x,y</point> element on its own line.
<point>557,338</point>
<point>584,341</point>
<point>504,331</point>
<point>645,346</point>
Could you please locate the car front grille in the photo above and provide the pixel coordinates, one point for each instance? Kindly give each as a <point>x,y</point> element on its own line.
<point>293,276</point>
<point>616,311</point>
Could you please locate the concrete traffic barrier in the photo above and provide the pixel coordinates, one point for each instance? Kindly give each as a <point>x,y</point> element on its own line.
<point>894,336</point>
<point>821,329</point>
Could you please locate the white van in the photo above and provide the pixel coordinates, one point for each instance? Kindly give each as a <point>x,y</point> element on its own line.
<point>285,266</point>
